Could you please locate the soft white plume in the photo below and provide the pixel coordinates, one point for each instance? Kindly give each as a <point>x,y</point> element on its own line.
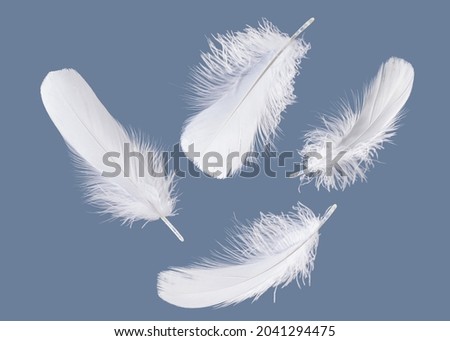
<point>357,134</point>
<point>240,91</point>
<point>90,132</point>
<point>272,251</point>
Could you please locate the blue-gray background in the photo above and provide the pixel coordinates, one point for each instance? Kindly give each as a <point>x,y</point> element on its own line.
<point>384,255</point>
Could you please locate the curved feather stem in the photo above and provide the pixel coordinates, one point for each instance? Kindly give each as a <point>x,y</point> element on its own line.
<point>325,217</point>
<point>328,213</point>
<point>293,37</point>
<point>172,228</point>
<point>301,29</point>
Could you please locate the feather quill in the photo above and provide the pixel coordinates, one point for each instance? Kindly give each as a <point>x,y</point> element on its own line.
<point>240,91</point>
<point>273,251</point>
<point>354,138</point>
<point>90,132</point>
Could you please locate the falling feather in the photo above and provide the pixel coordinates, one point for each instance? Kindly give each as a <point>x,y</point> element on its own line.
<point>354,138</point>
<point>274,250</point>
<point>91,132</point>
<point>240,91</point>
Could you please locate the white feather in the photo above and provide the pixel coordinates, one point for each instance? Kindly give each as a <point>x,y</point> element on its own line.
<point>359,133</point>
<point>90,132</point>
<point>273,251</point>
<point>241,90</point>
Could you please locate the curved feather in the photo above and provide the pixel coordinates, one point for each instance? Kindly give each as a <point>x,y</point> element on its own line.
<point>273,251</point>
<point>90,132</point>
<point>241,89</point>
<point>357,134</point>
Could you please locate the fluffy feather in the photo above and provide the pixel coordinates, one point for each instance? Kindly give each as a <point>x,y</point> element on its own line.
<point>357,134</point>
<point>240,90</point>
<point>90,132</point>
<point>273,251</point>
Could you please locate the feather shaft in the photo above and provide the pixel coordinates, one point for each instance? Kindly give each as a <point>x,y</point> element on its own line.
<point>172,228</point>
<point>294,36</point>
